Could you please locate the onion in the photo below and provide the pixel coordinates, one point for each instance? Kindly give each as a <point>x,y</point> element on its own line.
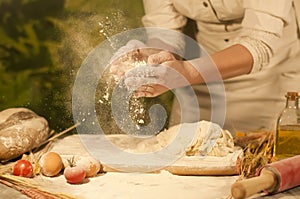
<point>89,164</point>
<point>51,164</point>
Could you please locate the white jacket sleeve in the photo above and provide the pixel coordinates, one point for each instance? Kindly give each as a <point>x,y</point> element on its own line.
<point>162,14</point>
<point>263,25</point>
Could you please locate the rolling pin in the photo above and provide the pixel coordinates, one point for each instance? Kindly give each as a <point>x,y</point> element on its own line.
<point>272,178</point>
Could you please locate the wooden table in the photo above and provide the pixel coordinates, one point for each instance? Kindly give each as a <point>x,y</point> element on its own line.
<point>147,186</point>
<point>114,185</point>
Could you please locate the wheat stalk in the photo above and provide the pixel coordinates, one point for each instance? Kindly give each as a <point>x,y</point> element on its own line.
<point>257,153</point>
<point>27,186</point>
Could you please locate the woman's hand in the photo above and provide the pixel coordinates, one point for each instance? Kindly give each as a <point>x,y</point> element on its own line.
<point>133,54</point>
<point>162,73</point>
<point>123,60</point>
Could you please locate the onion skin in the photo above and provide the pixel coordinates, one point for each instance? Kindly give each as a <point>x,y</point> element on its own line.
<point>51,164</point>
<point>89,164</point>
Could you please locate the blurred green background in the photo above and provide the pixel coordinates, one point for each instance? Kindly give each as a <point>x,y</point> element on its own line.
<point>43,43</point>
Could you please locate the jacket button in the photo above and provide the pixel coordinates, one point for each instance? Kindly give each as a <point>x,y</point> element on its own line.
<point>205,4</point>
<point>226,40</point>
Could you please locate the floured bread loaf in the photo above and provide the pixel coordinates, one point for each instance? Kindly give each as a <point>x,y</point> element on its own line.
<point>20,131</point>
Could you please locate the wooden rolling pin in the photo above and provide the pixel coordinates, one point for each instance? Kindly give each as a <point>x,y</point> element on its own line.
<point>273,178</point>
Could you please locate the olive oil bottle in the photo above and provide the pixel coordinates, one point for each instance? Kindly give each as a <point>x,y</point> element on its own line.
<point>288,128</point>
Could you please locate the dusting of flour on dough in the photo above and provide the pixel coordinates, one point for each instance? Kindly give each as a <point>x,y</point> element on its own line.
<point>223,146</point>
<point>204,135</point>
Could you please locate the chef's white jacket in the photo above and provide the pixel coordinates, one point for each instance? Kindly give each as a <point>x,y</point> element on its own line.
<point>267,28</point>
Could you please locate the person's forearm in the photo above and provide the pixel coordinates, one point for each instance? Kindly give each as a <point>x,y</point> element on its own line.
<point>230,62</point>
<point>233,61</point>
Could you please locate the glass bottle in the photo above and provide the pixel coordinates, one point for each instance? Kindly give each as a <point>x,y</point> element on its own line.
<point>288,128</point>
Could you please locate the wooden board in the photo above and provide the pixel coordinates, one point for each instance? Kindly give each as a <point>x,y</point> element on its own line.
<point>192,165</point>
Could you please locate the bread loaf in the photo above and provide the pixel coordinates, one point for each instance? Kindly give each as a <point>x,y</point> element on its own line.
<point>21,130</point>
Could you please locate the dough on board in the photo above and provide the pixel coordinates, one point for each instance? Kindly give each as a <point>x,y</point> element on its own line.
<point>207,139</point>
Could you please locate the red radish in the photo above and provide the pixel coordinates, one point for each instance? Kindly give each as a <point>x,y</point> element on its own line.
<point>23,168</point>
<point>73,173</point>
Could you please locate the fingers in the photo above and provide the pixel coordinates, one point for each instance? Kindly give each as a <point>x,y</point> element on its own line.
<point>125,57</point>
<point>120,53</point>
<point>118,69</point>
<point>145,86</point>
<point>130,46</point>
<point>148,71</point>
<point>152,90</point>
<point>134,83</point>
<point>144,91</point>
<point>114,67</point>
<point>161,57</point>
<point>142,87</point>
<point>146,80</point>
